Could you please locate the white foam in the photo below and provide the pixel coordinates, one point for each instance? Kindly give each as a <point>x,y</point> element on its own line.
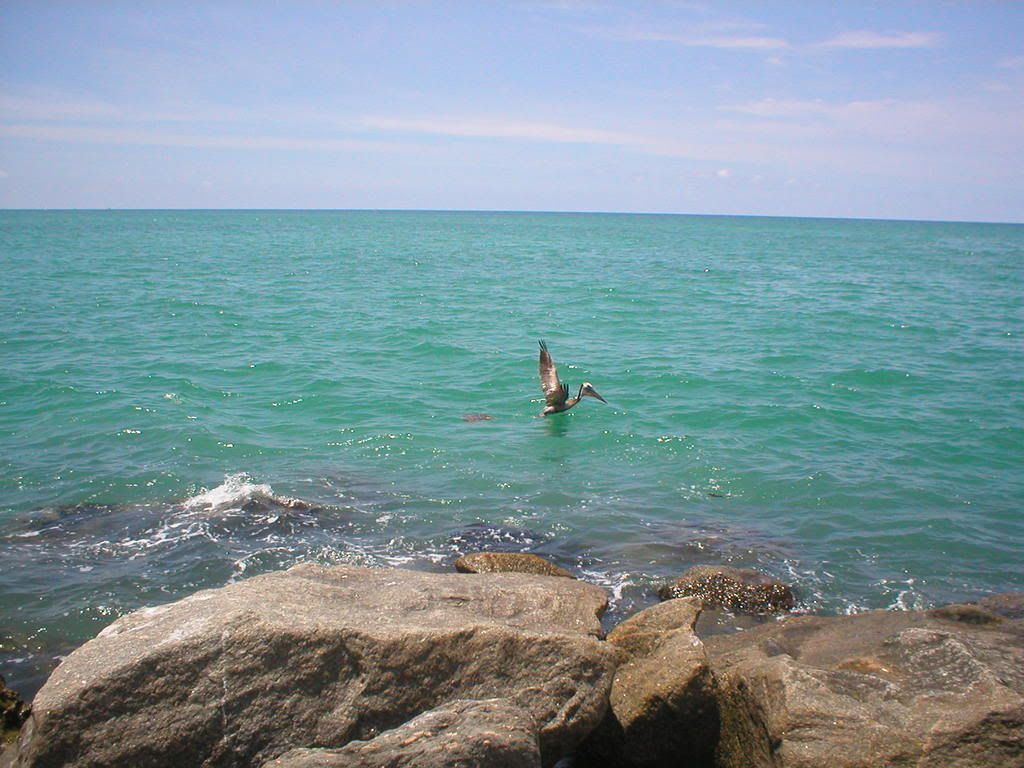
<point>233,493</point>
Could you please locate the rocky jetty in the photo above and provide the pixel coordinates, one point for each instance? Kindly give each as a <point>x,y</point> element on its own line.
<point>509,562</point>
<point>319,657</point>
<point>348,667</point>
<point>736,589</point>
<point>937,688</point>
<point>663,700</point>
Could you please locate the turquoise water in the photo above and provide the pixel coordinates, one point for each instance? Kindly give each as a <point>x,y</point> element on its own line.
<point>188,398</point>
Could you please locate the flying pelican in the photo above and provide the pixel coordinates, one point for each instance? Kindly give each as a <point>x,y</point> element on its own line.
<point>556,394</point>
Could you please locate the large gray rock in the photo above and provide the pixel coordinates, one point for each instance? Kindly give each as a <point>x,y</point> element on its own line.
<point>664,710</point>
<point>318,657</point>
<point>468,734</point>
<point>886,688</point>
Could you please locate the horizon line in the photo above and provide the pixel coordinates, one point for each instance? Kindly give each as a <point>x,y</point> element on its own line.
<point>100,209</point>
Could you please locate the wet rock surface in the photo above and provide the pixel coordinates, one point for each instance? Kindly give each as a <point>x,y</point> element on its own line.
<point>13,712</point>
<point>471,734</point>
<point>736,589</point>
<point>1009,605</point>
<point>938,688</point>
<point>508,562</point>
<point>663,709</point>
<point>322,656</point>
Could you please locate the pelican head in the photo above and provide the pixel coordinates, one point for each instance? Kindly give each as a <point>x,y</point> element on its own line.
<point>587,389</point>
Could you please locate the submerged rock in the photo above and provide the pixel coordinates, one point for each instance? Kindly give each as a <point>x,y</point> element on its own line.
<point>508,562</point>
<point>736,589</point>
<point>663,710</point>
<point>939,688</point>
<point>322,656</point>
<point>492,733</point>
<point>13,712</point>
<point>490,537</point>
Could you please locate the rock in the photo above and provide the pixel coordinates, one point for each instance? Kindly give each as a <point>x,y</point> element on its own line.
<point>966,613</point>
<point>13,712</point>
<point>929,689</point>
<point>1009,605</point>
<point>486,734</point>
<point>508,562</point>
<point>318,656</point>
<point>736,589</point>
<point>663,706</point>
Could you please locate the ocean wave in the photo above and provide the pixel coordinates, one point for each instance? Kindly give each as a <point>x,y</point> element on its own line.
<point>236,493</point>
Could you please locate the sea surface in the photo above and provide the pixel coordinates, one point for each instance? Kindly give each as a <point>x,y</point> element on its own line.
<point>191,398</point>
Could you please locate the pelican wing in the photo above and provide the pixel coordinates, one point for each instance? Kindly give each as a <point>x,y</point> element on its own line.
<point>555,392</point>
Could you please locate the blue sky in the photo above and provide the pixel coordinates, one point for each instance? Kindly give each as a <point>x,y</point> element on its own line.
<point>889,109</point>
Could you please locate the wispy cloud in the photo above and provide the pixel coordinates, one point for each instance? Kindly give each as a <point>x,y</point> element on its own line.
<point>866,39</point>
<point>791,108</point>
<point>726,42</point>
<point>751,36</point>
<point>495,128</point>
<point>1012,62</point>
<point>143,137</point>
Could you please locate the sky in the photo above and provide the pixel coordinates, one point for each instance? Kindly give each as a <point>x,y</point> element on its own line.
<point>896,110</point>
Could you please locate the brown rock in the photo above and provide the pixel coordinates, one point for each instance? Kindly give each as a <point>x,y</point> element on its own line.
<point>736,589</point>
<point>470,734</point>
<point>13,712</point>
<point>508,562</point>
<point>663,706</point>
<point>928,689</point>
<point>322,656</point>
<point>1009,605</point>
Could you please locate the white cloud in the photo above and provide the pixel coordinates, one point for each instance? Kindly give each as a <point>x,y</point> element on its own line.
<point>866,39</point>
<point>495,128</point>
<point>143,137</point>
<point>698,40</point>
<point>1012,62</point>
<point>723,173</point>
<point>789,108</point>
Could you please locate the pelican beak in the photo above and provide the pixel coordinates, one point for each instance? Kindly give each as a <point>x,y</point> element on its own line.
<point>593,393</point>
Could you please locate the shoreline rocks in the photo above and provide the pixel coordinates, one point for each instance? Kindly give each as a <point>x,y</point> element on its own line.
<point>935,688</point>
<point>493,733</point>
<point>345,667</point>
<point>736,589</point>
<point>663,697</point>
<point>13,712</point>
<point>509,562</point>
<point>318,656</point>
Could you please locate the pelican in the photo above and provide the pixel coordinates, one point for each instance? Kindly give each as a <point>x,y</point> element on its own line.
<point>556,394</point>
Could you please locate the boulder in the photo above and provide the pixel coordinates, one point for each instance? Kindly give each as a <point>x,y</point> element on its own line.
<point>663,707</point>
<point>13,712</point>
<point>736,589</point>
<point>470,734</point>
<point>318,657</point>
<point>928,689</point>
<point>508,562</point>
<point>1009,605</point>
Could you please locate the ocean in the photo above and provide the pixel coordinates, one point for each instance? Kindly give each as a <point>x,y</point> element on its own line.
<point>188,398</point>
